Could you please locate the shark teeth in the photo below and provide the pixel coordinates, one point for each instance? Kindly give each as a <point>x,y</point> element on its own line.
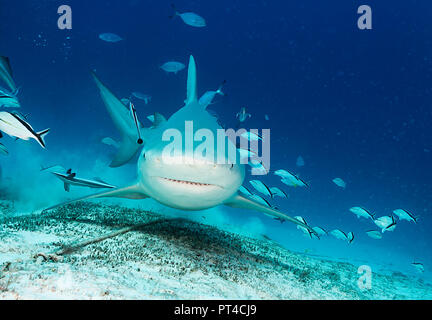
<point>188,182</point>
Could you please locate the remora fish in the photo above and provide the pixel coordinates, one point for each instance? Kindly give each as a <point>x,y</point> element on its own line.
<point>190,18</point>
<point>69,178</point>
<point>405,215</point>
<point>15,126</point>
<point>124,123</point>
<point>180,181</point>
<point>6,73</point>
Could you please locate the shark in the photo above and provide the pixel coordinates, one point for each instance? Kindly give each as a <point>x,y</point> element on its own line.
<point>124,121</point>
<point>69,178</point>
<point>180,181</point>
<point>6,73</point>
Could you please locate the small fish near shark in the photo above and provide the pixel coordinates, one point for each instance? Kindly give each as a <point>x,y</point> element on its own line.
<point>15,126</point>
<point>180,181</point>
<point>189,18</point>
<point>339,234</point>
<point>69,178</point>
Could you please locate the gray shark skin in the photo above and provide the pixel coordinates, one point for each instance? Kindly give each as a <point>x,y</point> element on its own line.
<point>6,73</point>
<point>184,185</point>
<point>123,121</point>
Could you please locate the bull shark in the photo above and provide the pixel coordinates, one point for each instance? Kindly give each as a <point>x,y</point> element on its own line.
<point>6,73</point>
<point>180,181</point>
<point>69,178</point>
<point>128,145</point>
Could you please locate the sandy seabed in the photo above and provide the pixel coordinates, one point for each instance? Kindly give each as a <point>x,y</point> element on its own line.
<point>167,259</point>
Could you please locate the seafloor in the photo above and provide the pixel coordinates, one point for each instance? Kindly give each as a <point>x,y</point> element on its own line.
<point>160,258</point>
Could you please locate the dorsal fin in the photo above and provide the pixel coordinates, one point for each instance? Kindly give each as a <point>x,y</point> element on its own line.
<point>158,119</point>
<point>191,82</point>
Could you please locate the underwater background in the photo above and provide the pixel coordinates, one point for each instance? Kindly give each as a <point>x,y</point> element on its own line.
<point>355,104</point>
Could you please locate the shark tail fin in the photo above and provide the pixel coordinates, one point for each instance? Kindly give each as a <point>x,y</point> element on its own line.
<point>40,136</point>
<point>191,82</point>
<point>130,192</point>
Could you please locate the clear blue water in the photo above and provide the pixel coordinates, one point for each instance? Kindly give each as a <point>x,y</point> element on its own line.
<point>354,104</point>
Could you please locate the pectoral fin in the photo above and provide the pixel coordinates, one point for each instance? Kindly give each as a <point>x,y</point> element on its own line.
<point>130,192</point>
<point>241,202</point>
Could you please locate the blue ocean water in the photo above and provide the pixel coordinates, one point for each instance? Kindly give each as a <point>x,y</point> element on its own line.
<point>355,104</point>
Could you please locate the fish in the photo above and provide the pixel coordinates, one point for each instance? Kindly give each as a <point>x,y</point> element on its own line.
<point>110,142</point>
<point>251,136</point>
<point>374,234</point>
<point>404,215</point>
<point>9,99</point>
<point>261,187</point>
<point>339,234</point>
<point>304,229</point>
<point>242,115</point>
<point>135,119</point>
<point>3,150</point>
<point>207,98</point>
<point>278,192</point>
<point>179,181</point>
<point>418,266</point>
<point>290,179</point>
<point>151,118</point>
<point>110,37</point>
<point>258,167</point>
<point>69,178</point>
<point>320,231</point>
<point>350,237</point>
<point>339,182</point>
<point>245,191</point>
<point>6,73</point>
<point>172,66</point>
<point>300,161</point>
<point>142,96</point>
<point>189,18</point>
<point>386,223</point>
<point>15,126</point>
<point>361,213</point>
<point>123,121</point>
<point>266,117</point>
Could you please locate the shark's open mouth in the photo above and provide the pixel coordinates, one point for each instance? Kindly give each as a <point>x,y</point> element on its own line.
<point>186,182</point>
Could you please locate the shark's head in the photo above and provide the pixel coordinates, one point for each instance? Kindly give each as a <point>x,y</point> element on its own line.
<point>184,178</point>
<point>186,183</point>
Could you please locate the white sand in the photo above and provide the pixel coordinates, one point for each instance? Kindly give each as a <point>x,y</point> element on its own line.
<point>174,259</point>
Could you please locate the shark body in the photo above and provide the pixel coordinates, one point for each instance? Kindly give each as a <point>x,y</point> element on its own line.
<point>179,183</point>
